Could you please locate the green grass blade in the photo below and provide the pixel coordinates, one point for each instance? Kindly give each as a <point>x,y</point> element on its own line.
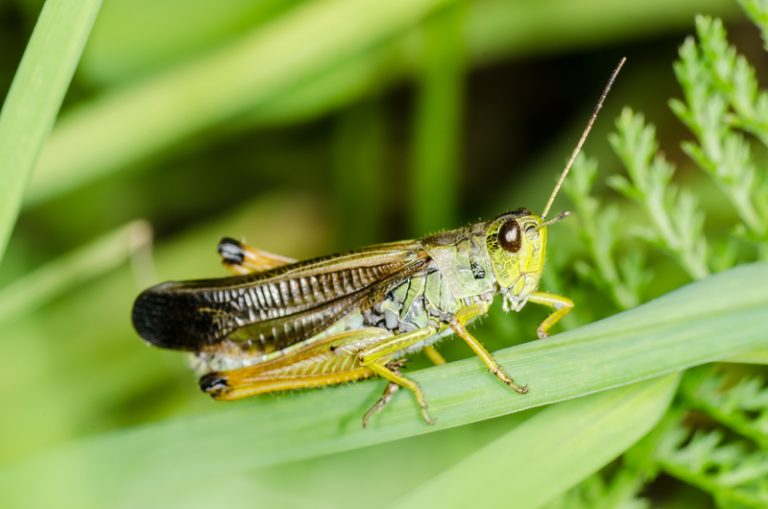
<point>133,37</point>
<point>309,39</point>
<point>87,262</point>
<point>715,318</point>
<point>756,357</point>
<point>550,452</point>
<point>35,97</point>
<point>404,465</point>
<point>435,174</point>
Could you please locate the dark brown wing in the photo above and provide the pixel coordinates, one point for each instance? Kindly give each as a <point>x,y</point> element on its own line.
<point>273,309</point>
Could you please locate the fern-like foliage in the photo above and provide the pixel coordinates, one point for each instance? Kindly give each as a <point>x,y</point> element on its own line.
<point>677,223</point>
<point>622,278</point>
<point>740,405</point>
<point>619,492</point>
<point>722,100</point>
<point>733,472</point>
<point>723,451</point>
<point>757,10</point>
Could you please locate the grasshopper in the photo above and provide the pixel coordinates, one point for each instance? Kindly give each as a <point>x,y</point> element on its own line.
<point>279,324</point>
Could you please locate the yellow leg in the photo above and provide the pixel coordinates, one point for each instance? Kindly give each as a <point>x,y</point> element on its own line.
<point>377,358</point>
<point>396,344</point>
<point>561,305</point>
<point>434,356</point>
<point>330,361</point>
<point>384,372</point>
<point>385,397</point>
<point>459,327</point>
<point>241,383</point>
<point>241,259</point>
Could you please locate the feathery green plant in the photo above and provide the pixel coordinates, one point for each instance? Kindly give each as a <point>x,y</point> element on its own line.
<point>618,492</point>
<point>623,278</point>
<point>728,116</point>
<point>677,226</point>
<point>722,102</point>
<point>733,472</point>
<point>740,405</point>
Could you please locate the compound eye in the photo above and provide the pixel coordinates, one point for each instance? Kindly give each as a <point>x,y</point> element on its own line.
<point>509,236</point>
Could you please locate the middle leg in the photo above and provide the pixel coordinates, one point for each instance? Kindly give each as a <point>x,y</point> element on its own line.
<point>378,358</point>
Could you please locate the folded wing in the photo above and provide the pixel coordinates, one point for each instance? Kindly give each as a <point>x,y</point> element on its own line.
<point>270,310</point>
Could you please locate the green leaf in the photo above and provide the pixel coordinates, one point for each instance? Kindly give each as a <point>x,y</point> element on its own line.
<point>437,123</point>
<point>717,317</point>
<point>550,452</point>
<point>311,39</point>
<point>36,95</point>
<point>756,357</point>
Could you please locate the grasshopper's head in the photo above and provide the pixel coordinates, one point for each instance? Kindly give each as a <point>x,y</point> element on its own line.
<point>516,243</point>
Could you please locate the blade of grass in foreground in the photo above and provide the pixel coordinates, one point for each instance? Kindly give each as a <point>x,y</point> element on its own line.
<point>715,318</point>
<point>35,97</point>
<point>550,452</point>
<point>756,357</point>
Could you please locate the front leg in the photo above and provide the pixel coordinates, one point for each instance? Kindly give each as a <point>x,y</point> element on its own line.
<point>561,305</point>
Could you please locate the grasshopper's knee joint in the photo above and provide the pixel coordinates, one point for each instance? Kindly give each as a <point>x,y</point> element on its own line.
<point>541,333</point>
<point>231,251</point>
<point>215,384</point>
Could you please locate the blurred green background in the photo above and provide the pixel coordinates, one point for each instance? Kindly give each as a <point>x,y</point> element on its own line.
<point>302,127</point>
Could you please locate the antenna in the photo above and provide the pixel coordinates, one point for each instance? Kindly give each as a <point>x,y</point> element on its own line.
<point>562,215</point>
<point>583,137</point>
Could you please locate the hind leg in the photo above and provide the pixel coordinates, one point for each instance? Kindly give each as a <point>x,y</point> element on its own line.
<point>434,356</point>
<point>241,258</point>
<point>329,361</point>
<point>377,358</point>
